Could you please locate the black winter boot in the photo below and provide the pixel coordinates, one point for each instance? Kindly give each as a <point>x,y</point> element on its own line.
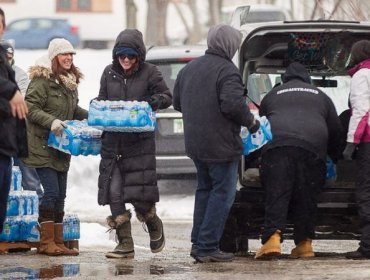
<point>155,228</point>
<point>357,255</point>
<point>122,225</point>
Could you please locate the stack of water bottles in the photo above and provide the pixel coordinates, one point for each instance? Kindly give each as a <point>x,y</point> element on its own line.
<point>254,141</point>
<point>71,227</point>
<point>77,139</point>
<point>122,116</point>
<point>21,222</point>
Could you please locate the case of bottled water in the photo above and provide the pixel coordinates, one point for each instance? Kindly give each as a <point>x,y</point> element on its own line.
<point>21,222</point>
<point>71,227</point>
<point>121,116</point>
<point>77,139</point>
<point>254,141</point>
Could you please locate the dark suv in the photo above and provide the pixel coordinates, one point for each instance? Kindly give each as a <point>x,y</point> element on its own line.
<point>324,48</point>
<point>172,161</point>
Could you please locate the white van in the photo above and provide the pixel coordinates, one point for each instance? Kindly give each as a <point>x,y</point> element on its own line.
<point>257,13</point>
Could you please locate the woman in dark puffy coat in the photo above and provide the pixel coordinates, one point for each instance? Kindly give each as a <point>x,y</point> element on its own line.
<point>128,166</point>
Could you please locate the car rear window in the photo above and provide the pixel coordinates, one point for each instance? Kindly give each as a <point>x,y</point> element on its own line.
<point>169,71</point>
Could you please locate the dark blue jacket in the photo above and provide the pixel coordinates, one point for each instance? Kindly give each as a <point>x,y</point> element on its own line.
<point>209,93</point>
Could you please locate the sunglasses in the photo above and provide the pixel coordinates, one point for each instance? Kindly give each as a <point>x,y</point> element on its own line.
<point>129,56</point>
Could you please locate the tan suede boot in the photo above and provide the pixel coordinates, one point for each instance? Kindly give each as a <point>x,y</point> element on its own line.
<point>47,244</point>
<point>271,248</point>
<point>59,241</point>
<point>303,250</point>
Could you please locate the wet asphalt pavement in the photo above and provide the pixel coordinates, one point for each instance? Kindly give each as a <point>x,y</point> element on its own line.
<point>175,263</point>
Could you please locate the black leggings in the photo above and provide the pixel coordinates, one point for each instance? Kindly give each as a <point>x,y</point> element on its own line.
<point>117,207</point>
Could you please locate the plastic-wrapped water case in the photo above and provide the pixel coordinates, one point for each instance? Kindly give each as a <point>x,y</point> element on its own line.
<point>254,141</point>
<point>71,227</point>
<point>22,203</point>
<point>16,184</point>
<point>77,139</point>
<point>121,116</point>
<point>20,229</point>
<point>331,170</point>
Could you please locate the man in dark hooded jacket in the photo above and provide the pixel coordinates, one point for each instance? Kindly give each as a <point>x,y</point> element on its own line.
<point>209,93</point>
<point>305,128</point>
<point>13,139</point>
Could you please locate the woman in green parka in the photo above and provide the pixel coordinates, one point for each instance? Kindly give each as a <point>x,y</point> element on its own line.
<point>52,98</point>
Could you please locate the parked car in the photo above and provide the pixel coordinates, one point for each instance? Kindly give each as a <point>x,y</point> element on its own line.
<point>324,48</point>
<point>256,13</point>
<point>36,33</point>
<point>170,147</point>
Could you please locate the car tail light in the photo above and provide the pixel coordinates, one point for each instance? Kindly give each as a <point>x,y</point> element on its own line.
<point>186,59</point>
<point>74,29</point>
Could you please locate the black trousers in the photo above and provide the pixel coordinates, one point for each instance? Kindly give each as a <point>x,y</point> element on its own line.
<point>292,178</point>
<point>117,207</point>
<point>5,182</point>
<point>363,194</point>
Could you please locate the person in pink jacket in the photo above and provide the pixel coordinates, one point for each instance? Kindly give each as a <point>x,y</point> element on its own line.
<point>358,139</point>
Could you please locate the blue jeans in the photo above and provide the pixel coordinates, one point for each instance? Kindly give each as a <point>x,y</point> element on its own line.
<point>30,179</point>
<point>214,197</point>
<point>5,181</point>
<point>55,189</point>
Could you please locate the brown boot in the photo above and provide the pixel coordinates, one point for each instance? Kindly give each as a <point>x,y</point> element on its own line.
<point>271,248</point>
<point>47,244</point>
<point>59,241</point>
<point>303,250</point>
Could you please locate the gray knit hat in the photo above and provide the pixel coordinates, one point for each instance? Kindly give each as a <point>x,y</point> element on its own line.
<point>59,46</point>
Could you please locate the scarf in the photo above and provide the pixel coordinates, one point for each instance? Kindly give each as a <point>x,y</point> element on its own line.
<point>361,65</point>
<point>69,81</point>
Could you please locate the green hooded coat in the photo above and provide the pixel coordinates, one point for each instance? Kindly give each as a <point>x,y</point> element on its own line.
<point>47,100</point>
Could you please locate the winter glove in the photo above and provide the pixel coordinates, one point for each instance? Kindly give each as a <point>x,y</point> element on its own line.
<point>155,102</point>
<point>349,150</point>
<point>254,127</point>
<point>57,127</point>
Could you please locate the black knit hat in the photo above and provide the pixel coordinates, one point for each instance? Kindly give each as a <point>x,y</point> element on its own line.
<point>6,46</point>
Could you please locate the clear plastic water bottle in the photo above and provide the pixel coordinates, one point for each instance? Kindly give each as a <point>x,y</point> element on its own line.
<point>66,227</point>
<point>16,184</point>
<point>6,234</point>
<point>76,227</point>
<point>126,116</point>
<point>12,208</point>
<point>134,118</point>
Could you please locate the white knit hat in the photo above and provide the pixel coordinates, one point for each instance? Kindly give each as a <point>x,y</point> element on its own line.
<point>59,46</point>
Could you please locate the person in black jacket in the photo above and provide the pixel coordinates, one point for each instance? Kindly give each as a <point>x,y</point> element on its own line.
<point>13,139</point>
<point>209,93</point>
<point>128,164</point>
<point>305,128</point>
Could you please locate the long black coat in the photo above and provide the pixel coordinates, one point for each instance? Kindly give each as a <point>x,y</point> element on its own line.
<point>13,139</point>
<point>133,153</point>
